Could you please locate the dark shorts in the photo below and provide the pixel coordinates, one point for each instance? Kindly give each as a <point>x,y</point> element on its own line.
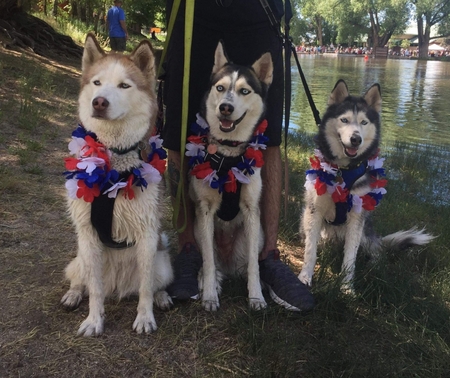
<point>244,42</point>
<point>118,43</point>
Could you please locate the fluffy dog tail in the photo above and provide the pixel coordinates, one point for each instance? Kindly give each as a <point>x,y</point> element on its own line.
<point>405,239</point>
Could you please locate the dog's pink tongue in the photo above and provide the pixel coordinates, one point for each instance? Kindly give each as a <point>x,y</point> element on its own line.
<point>225,123</point>
<point>351,151</point>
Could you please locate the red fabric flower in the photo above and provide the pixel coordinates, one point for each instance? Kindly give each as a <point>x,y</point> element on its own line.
<point>196,139</point>
<point>369,202</point>
<point>88,194</point>
<point>261,127</point>
<point>158,163</point>
<point>381,183</point>
<point>202,170</point>
<point>255,155</point>
<point>128,191</point>
<point>340,194</point>
<point>315,162</point>
<point>321,187</point>
<point>95,148</point>
<point>231,185</point>
<point>71,163</point>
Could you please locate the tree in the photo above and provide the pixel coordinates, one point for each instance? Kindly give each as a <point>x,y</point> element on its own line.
<point>428,14</point>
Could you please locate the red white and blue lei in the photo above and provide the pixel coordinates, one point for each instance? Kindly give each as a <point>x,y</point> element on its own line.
<point>197,149</point>
<point>89,172</point>
<point>325,177</point>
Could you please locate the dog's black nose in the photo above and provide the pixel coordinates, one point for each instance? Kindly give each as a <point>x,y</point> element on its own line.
<point>226,109</point>
<point>355,140</point>
<point>100,103</point>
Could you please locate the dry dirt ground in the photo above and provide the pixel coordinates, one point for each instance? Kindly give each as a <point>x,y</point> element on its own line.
<point>38,338</point>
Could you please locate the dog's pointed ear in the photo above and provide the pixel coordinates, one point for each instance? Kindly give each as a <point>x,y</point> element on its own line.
<point>373,97</point>
<point>144,58</point>
<point>220,58</point>
<point>92,51</point>
<point>264,68</point>
<point>339,93</point>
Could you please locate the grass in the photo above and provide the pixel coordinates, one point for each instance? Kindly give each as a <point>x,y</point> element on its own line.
<point>396,324</point>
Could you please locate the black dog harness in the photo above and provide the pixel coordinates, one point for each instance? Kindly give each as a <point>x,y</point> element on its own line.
<point>229,207</point>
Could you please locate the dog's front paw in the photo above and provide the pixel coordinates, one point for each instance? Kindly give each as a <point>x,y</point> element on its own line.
<point>92,326</point>
<point>257,303</point>
<point>163,300</point>
<point>71,300</point>
<point>145,323</point>
<point>305,277</point>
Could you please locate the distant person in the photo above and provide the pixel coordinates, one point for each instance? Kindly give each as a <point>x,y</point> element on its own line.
<point>117,28</point>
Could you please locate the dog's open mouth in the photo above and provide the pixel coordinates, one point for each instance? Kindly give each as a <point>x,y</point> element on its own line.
<point>350,152</point>
<point>227,125</point>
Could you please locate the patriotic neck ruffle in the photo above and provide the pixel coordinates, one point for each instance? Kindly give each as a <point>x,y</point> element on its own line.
<point>325,177</point>
<point>89,172</point>
<point>201,154</point>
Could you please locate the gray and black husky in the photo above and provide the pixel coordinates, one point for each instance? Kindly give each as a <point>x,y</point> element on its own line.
<point>226,159</point>
<point>346,182</point>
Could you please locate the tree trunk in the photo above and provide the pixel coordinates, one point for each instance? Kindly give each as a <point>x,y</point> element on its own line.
<point>424,36</point>
<point>319,30</point>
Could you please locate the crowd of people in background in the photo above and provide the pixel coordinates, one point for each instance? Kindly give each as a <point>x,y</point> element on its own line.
<point>407,53</point>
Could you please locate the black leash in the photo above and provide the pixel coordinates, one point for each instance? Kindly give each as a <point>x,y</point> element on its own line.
<point>289,46</point>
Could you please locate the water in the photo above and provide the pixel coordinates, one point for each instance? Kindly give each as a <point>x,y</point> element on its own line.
<point>416,94</point>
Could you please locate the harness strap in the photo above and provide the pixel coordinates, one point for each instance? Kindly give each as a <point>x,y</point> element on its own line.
<point>102,211</point>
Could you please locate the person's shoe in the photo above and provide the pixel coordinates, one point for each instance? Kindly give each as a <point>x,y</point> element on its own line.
<point>284,286</point>
<point>186,266</point>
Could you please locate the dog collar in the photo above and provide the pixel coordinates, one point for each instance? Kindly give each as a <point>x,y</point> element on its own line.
<point>325,177</point>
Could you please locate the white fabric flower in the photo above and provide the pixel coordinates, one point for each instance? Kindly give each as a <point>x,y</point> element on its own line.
<point>149,173</point>
<point>112,192</point>
<point>357,204</point>
<point>201,121</point>
<point>240,176</point>
<point>76,146</point>
<point>90,163</point>
<point>193,149</point>
<point>157,140</point>
<point>72,188</point>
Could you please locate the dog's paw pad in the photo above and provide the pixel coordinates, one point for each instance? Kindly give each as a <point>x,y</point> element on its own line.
<point>71,300</point>
<point>91,327</point>
<point>145,324</point>
<point>257,304</point>
<point>163,300</point>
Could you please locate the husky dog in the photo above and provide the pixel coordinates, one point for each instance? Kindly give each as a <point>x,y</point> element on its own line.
<point>346,183</point>
<point>114,195</point>
<point>225,180</point>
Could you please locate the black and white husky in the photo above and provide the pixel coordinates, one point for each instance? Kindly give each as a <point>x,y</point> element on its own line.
<point>225,159</point>
<point>114,189</point>
<point>345,182</point>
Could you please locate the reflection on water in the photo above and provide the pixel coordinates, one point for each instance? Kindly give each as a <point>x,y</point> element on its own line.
<point>415,94</point>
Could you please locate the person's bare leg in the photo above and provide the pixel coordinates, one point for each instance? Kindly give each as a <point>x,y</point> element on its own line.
<point>174,171</point>
<point>271,198</point>
<point>188,261</point>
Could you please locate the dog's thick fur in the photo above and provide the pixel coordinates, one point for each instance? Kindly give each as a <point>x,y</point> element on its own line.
<point>125,85</point>
<point>349,134</point>
<point>231,246</point>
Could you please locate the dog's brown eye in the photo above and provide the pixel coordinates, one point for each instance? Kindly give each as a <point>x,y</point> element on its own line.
<point>245,91</point>
<point>220,88</point>
<point>124,86</point>
<point>97,82</point>
<point>364,122</point>
<point>344,120</point>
